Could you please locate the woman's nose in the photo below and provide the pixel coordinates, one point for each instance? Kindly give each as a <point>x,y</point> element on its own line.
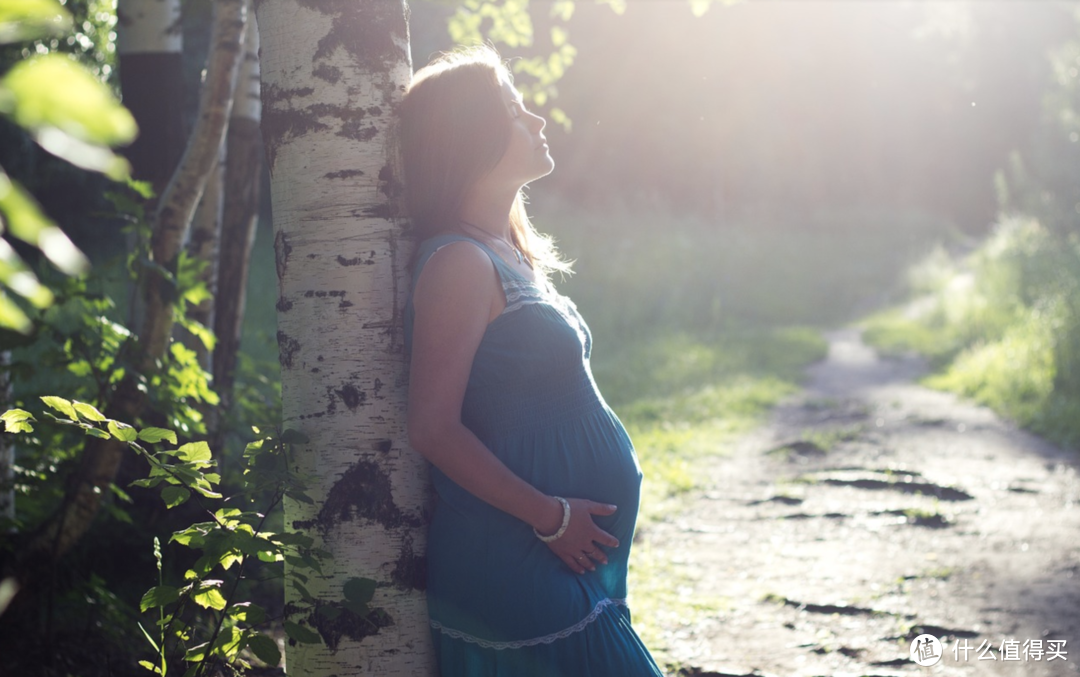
<point>538,123</point>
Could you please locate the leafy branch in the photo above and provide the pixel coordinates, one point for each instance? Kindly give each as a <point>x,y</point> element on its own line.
<point>227,543</point>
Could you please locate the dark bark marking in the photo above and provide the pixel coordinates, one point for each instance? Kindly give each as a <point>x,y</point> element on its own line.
<point>410,570</point>
<point>383,445</point>
<point>346,624</point>
<point>369,261</point>
<point>345,304</point>
<point>284,305</point>
<point>344,174</point>
<point>378,386</point>
<point>326,72</point>
<point>282,249</point>
<point>311,293</point>
<point>374,110</point>
<point>379,211</point>
<point>352,397</point>
<point>287,349</point>
<point>280,121</point>
<point>363,492</point>
<point>315,370</point>
<point>388,183</point>
<point>371,33</point>
<point>354,129</point>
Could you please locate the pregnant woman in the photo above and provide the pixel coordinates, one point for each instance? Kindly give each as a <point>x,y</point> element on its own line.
<point>537,481</point>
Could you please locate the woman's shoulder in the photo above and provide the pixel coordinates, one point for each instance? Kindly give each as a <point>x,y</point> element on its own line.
<point>453,267</point>
<point>454,252</point>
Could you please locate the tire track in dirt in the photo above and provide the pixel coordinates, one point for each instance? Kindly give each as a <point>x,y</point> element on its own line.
<point>869,511</point>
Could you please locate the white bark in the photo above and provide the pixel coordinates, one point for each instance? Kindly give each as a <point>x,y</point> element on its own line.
<point>333,73</point>
<point>148,26</point>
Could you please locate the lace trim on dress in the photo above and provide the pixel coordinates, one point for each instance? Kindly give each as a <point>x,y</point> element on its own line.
<point>546,639</point>
<point>519,293</point>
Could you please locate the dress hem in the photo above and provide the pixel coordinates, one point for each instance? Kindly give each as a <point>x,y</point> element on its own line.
<point>546,639</point>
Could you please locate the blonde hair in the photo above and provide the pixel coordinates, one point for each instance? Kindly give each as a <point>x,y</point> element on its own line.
<point>453,129</point>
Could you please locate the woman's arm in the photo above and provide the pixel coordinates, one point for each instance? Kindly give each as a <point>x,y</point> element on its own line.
<point>457,295</point>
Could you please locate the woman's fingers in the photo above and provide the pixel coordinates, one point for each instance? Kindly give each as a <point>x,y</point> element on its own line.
<point>601,508</point>
<point>575,563</point>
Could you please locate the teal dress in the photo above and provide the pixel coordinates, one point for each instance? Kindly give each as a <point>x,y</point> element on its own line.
<point>501,603</point>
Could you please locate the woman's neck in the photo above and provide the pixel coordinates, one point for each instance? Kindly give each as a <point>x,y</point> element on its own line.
<point>489,213</point>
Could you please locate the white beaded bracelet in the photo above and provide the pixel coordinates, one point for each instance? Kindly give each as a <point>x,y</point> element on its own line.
<point>562,527</point>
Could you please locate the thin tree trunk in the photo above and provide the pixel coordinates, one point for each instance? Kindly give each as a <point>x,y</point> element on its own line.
<point>333,74</point>
<point>243,176</point>
<point>177,206</point>
<point>149,45</point>
<point>203,245</point>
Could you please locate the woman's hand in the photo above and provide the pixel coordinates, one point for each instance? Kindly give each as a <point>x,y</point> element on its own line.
<point>579,547</point>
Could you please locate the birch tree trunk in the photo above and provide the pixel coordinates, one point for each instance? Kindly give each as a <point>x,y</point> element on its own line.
<point>204,244</point>
<point>149,45</point>
<point>243,177</point>
<point>333,74</point>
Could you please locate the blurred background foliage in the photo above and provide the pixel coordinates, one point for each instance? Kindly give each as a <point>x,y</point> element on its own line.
<point>731,179</point>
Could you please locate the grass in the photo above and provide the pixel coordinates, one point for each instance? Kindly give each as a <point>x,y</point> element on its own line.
<point>1001,326</point>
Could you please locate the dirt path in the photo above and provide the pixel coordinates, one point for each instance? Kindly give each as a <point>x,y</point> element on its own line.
<point>871,510</point>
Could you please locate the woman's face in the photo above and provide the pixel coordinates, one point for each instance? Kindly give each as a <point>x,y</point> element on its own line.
<point>526,157</point>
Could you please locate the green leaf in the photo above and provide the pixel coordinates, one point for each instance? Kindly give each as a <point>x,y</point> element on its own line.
<point>359,590</point>
<point>98,432</point>
<point>154,435</point>
<point>122,431</point>
<point>358,608</point>
<point>31,19</point>
<point>147,483</point>
<point>265,649</point>
<point>73,115</point>
<point>206,492</point>
<point>148,637</point>
<point>61,405</point>
<point>228,643</point>
<point>330,612</point>
<point>17,421</point>
<point>174,496</point>
<point>196,654</point>
<point>158,596</point>
<point>194,451</point>
<point>87,411</point>
<point>151,667</point>
<point>249,613</point>
<point>301,634</point>
<point>300,497</point>
<point>27,222</point>
<point>291,436</point>
<point>304,594</point>
<point>209,598</point>
<point>120,493</point>
<point>11,315</point>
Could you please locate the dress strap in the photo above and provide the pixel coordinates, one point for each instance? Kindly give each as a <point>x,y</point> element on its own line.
<point>431,245</point>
